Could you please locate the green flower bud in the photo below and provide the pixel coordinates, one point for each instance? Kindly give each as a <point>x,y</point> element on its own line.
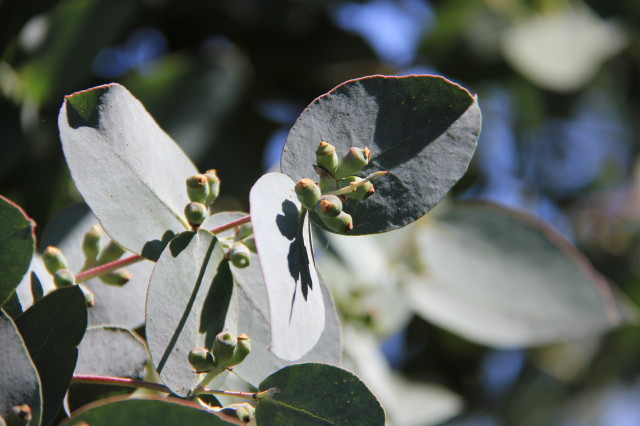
<point>352,162</point>
<point>198,188</point>
<point>328,206</point>
<point>326,157</point>
<point>242,411</point>
<point>250,242</point>
<point>360,192</point>
<point>327,184</point>
<point>201,360</point>
<point>53,259</point>
<point>110,253</point>
<point>214,186</point>
<point>223,348</point>
<point>244,231</point>
<point>242,349</point>
<point>63,278</point>
<point>307,192</point>
<point>91,245</point>
<point>89,298</point>
<point>118,277</point>
<point>340,224</point>
<point>239,255</point>
<point>19,415</point>
<point>195,213</point>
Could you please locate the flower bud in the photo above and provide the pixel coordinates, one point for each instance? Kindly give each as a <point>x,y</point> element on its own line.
<point>244,231</point>
<point>63,278</point>
<point>223,348</point>
<point>242,411</point>
<point>307,192</point>
<point>250,242</point>
<point>340,224</point>
<point>242,349</point>
<point>328,206</point>
<point>239,255</point>
<point>89,298</point>
<point>214,186</point>
<point>327,184</point>
<point>53,259</point>
<point>201,359</point>
<point>352,162</point>
<point>195,213</point>
<point>326,157</point>
<point>19,415</point>
<point>360,192</point>
<point>118,277</point>
<point>110,253</point>
<point>197,188</point>
<point>91,245</point>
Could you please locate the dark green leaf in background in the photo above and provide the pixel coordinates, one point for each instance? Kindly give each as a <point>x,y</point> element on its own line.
<point>52,330</point>
<point>318,394</point>
<point>129,171</point>
<point>421,129</point>
<point>187,302</point>
<point>296,309</point>
<point>17,243</point>
<point>19,381</point>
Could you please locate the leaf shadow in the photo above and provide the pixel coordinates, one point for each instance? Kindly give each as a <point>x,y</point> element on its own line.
<point>216,303</point>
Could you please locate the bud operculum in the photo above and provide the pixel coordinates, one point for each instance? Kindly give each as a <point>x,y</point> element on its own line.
<point>250,242</point>
<point>239,255</point>
<point>328,206</point>
<point>118,277</point>
<point>352,162</point>
<point>244,231</point>
<point>360,192</point>
<point>242,411</point>
<point>195,213</point>
<point>223,348</point>
<point>63,278</point>
<point>201,360</point>
<point>326,157</point>
<point>242,350</point>
<point>110,253</point>
<point>53,259</point>
<point>341,224</point>
<point>308,192</point>
<point>198,188</point>
<point>89,297</point>
<point>91,245</point>
<point>214,186</point>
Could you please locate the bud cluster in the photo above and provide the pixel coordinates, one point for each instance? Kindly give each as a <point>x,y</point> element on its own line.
<point>227,351</point>
<point>240,246</point>
<point>337,183</point>
<point>202,190</point>
<point>56,264</point>
<point>95,256</point>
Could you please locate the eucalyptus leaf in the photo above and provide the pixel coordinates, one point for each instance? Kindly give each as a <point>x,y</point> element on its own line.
<point>253,318</point>
<point>187,305</point>
<point>282,235</point>
<point>121,306</point>
<point>128,170</point>
<point>112,351</point>
<point>19,381</point>
<point>421,129</point>
<point>318,394</point>
<point>52,330</point>
<point>17,243</point>
<point>501,278</point>
<point>143,412</point>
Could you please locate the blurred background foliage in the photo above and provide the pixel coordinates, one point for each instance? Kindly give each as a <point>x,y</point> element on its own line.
<point>558,83</point>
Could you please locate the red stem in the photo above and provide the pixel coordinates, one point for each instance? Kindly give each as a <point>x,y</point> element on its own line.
<point>118,381</point>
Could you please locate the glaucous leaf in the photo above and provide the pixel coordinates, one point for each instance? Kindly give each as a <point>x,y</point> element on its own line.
<point>128,170</point>
<point>421,129</point>
<point>119,411</point>
<point>121,306</point>
<point>282,235</point>
<point>19,381</point>
<point>52,329</point>
<point>253,319</point>
<point>17,244</point>
<point>187,304</point>
<point>112,351</point>
<point>501,278</point>
<point>318,394</point>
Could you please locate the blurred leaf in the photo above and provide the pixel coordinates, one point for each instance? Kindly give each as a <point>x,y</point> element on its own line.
<point>318,394</point>
<point>422,129</point>
<point>128,170</point>
<point>19,381</point>
<point>562,51</point>
<point>143,412</point>
<point>121,306</point>
<point>296,308</point>
<point>112,351</point>
<point>187,304</point>
<point>52,330</point>
<point>501,278</point>
<point>17,244</point>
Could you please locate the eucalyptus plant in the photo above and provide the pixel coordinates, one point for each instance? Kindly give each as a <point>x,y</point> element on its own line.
<point>235,307</point>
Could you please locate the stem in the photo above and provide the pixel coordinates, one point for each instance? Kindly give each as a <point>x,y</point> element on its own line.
<point>119,381</point>
<point>245,395</point>
<point>353,185</point>
<point>120,263</point>
<point>206,379</point>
